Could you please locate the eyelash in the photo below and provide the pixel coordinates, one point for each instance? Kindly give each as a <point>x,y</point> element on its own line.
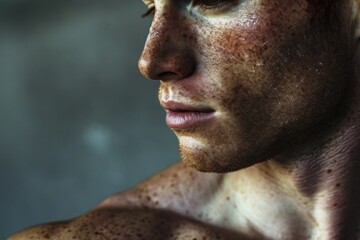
<point>204,5</point>
<point>209,4</point>
<point>214,6</point>
<point>149,12</point>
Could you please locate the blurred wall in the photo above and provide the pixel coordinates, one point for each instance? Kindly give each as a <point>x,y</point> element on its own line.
<point>78,122</point>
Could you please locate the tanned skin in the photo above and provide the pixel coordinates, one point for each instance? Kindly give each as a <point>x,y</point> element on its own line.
<point>277,155</point>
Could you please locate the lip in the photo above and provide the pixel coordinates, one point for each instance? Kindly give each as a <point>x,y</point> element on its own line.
<point>182,116</point>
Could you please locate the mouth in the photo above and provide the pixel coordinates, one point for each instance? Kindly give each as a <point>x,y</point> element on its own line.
<point>182,116</point>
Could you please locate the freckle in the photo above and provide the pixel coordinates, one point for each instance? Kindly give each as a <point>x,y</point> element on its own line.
<point>227,198</point>
<point>329,171</point>
<point>338,185</point>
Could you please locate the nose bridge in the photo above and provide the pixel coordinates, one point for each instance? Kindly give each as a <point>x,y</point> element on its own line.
<point>163,19</point>
<point>166,49</point>
<point>160,35</point>
<point>166,25</point>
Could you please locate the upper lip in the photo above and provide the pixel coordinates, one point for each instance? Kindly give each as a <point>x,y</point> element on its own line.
<point>182,107</point>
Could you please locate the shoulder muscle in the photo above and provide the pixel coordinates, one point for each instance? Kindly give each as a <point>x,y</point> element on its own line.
<point>130,224</point>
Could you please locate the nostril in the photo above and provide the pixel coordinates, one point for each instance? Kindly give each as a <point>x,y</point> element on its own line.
<point>168,75</point>
<point>166,63</point>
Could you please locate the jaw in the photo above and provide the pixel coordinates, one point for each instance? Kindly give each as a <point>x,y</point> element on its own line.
<point>219,152</point>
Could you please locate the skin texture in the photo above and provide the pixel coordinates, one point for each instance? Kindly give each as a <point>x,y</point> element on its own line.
<point>266,70</point>
<point>282,78</point>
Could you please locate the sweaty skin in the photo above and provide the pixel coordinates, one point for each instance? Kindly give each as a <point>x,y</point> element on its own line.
<point>277,156</point>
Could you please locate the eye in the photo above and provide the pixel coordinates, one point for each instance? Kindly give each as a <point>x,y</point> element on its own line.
<point>214,6</point>
<point>208,3</point>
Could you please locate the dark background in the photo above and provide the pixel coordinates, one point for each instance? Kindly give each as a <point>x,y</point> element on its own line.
<point>78,122</point>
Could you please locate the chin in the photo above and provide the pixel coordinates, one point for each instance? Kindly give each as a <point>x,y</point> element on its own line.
<point>219,158</point>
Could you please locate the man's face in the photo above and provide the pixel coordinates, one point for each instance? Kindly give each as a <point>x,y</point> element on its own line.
<point>242,80</point>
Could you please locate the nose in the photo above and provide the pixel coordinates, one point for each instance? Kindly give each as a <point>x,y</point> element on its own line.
<point>168,53</point>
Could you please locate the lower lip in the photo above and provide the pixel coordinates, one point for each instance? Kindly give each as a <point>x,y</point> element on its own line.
<point>182,120</point>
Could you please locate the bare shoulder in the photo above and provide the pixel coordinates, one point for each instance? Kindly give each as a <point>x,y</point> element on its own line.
<point>163,207</point>
<point>40,232</point>
<point>178,188</point>
<point>126,224</point>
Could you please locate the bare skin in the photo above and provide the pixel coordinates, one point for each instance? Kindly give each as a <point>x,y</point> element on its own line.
<point>278,82</point>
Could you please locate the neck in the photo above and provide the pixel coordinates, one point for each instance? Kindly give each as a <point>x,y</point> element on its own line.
<point>324,183</point>
<point>314,192</point>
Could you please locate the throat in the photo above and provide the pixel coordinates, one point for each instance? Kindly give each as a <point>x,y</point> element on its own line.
<point>314,195</point>
<point>268,204</point>
<point>318,193</point>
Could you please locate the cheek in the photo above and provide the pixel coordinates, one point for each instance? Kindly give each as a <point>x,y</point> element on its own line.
<point>240,51</point>
<point>235,59</point>
<point>271,74</point>
<point>252,33</point>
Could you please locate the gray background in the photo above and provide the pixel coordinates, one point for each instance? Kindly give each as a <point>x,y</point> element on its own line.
<point>78,122</point>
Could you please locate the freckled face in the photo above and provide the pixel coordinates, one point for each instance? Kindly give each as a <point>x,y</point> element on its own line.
<point>272,71</point>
